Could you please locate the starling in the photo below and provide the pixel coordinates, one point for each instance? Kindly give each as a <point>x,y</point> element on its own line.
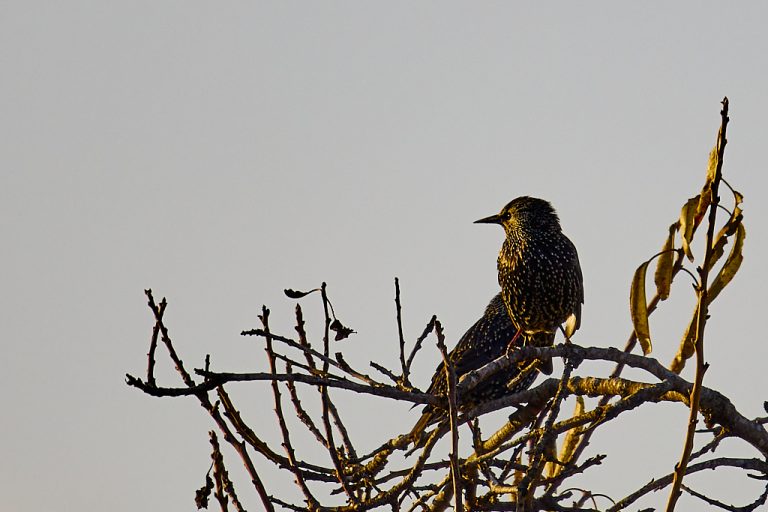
<point>485,341</point>
<point>539,271</point>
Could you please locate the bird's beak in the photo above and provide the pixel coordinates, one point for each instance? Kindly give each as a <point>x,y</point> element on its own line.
<point>493,219</point>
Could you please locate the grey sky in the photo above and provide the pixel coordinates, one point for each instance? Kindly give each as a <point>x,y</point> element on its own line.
<point>220,152</point>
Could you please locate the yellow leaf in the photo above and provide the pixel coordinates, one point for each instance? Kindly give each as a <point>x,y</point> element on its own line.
<point>687,345</point>
<point>571,440</point>
<point>688,224</point>
<point>663,275</point>
<point>638,308</point>
<point>731,265</point>
<point>718,246</point>
<point>706,191</point>
<point>712,162</point>
<point>726,274</point>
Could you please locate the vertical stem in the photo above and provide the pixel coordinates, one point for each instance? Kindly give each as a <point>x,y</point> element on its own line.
<point>400,332</point>
<point>450,375</point>
<point>701,320</point>
<point>325,400</point>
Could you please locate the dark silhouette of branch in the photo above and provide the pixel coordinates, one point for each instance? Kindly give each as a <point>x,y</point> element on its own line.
<point>660,483</point>
<point>746,508</point>
<point>525,462</point>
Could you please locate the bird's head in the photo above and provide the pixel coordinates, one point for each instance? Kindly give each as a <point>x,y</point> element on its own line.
<point>525,214</point>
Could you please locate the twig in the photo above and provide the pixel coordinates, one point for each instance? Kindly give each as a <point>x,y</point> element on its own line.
<point>158,312</point>
<point>325,401</point>
<point>287,505</point>
<point>660,483</point>
<point>385,372</point>
<point>450,376</point>
<point>288,361</point>
<point>306,349</point>
<point>155,333</point>
<point>202,396</point>
<point>571,470</point>
<point>399,313</point>
<point>301,413</point>
<point>417,346</point>
<point>219,473</point>
<point>747,508</point>
<point>312,503</point>
<point>221,477</point>
<point>303,342</point>
<point>525,489</point>
<point>422,500</point>
<point>311,471</point>
<point>215,379</point>
<point>713,444</point>
<point>351,452</point>
<point>387,496</point>
<point>358,375</point>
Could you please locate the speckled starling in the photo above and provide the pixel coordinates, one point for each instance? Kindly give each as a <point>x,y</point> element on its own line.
<point>486,340</point>
<point>539,271</point>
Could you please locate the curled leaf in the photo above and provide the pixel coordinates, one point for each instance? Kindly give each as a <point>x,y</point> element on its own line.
<point>687,345</point>
<point>705,197</point>
<point>713,159</point>
<point>731,265</point>
<point>293,294</point>
<point>666,263</point>
<point>688,224</point>
<point>718,246</point>
<point>706,190</point>
<point>342,331</point>
<point>638,308</point>
<point>203,493</point>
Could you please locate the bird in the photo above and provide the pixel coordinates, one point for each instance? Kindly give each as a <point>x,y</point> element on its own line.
<point>487,339</point>
<point>539,271</point>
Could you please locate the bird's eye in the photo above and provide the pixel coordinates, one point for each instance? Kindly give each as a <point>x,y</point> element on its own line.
<point>506,215</point>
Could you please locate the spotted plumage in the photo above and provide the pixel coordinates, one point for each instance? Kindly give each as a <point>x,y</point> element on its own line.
<point>539,270</point>
<point>486,340</point>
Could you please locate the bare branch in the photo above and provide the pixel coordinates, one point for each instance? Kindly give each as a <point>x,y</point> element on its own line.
<point>399,313</point>
<point>312,503</point>
<point>450,376</point>
<point>660,483</point>
<point>417,346</point>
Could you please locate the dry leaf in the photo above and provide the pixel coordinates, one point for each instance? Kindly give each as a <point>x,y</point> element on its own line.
<point>688,224</point>
<point>293,294</point>
<point>638,308</point>
<point>731,265</point>
<point>663,275</point>
<point>718,246</point>
<point>203,493</point>
<point>687,345</point>
<point>342,331</point>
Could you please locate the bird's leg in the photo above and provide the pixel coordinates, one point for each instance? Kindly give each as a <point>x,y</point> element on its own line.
<point>511,344</point>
